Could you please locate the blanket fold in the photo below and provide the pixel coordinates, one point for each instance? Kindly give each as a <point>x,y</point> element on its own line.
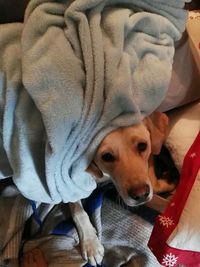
<point>84,68</point>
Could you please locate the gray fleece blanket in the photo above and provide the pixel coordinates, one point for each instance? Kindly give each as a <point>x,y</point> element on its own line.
<point>70,74</point>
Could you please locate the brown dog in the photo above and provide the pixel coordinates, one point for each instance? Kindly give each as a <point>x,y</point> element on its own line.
<point>126,156</point>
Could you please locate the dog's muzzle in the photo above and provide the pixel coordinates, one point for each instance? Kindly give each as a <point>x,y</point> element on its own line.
<point>139,193</point>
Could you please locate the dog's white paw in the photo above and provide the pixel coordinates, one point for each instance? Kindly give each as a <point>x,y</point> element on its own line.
<point>92,250</point>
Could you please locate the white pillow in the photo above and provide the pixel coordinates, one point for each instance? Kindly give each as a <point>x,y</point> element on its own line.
<point>175,239</point>
<point>185,82</point>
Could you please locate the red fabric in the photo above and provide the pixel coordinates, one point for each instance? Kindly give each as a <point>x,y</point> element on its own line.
<point>167,222</point>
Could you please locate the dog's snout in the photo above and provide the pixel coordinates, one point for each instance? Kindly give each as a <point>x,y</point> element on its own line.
<point>139,192</point>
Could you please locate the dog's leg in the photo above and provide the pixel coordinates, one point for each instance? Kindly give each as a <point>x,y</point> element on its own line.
<point>91,248</point>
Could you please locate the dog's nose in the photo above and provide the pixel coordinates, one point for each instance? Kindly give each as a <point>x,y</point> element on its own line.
<point>139,192</point>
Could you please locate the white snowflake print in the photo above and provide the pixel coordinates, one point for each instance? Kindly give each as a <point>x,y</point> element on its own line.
<point>165,221</point>
<point>169,260</point>
<point>193,155</point>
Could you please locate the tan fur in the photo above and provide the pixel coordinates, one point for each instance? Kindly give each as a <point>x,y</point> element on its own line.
<point>133,169</point>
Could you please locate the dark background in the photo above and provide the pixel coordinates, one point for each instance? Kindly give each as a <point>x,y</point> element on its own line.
<point>13,10</point>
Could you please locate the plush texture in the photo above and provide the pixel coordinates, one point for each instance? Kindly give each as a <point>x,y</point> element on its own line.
<point>185,78</point>
<point>184,124</point>
<point>176,236</point>
<point>185,128</point>
<point>70,74</point>
<point>185,81</point>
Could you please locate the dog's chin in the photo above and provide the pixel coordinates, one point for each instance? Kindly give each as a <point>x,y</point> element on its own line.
<point>133,203</point>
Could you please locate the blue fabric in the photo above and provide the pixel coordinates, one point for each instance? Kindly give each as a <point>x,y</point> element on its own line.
<point>35,214</point>
<point>63,228</point>
<point>88,265</point>
<point>93,202</point>
<point>73,72</point>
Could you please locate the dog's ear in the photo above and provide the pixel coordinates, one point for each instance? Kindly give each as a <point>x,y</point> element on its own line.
<point>157,124</point>
<point>94,170</point>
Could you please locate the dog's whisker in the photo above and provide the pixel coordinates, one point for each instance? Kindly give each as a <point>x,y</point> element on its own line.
<point>121,202</point>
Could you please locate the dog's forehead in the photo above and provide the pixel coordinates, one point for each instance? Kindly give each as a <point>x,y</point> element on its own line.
<point>114,135</point>
<point>137,131</point>
<point>124,133</point>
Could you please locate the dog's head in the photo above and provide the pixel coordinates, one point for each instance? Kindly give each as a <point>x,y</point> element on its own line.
<point>124,156</point>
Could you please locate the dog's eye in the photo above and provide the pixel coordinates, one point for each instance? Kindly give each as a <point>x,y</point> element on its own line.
<point>142,146</point>
<point>108,157</point>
